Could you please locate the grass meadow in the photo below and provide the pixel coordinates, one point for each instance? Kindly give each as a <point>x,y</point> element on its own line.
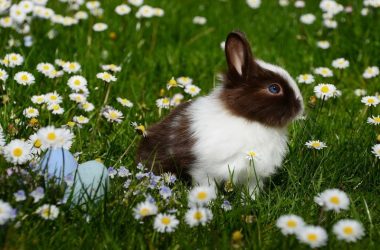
<point>150,52</point>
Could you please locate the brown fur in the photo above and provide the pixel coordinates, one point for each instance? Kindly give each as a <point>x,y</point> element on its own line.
<point>167,147</point>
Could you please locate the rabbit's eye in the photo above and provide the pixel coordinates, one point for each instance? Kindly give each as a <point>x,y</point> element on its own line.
<point>274,88</point>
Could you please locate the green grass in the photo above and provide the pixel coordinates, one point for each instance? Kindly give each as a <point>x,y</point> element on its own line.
<point>174,46</point>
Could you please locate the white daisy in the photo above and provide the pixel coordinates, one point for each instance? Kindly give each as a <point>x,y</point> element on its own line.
<point>299,4</point>
<point>290,224</point>
<point>17,14</point>
<point>158,12</point>
<point>348,230</point>
<point>307,18</point>
<point>136,2</point>
<point>198,216</point>
<point>165,223</point>
<point>53,98</point>
<point>38,99</point>
<point>56,109</point>
<point>99,27</point>
<point>80,119</point>
<point>325,91</point>
<point>375,120</point>
<point>122,9</point>
<point>333,199</point>
<point>184,80</point>
<point>3,75</point>
<point>176,99</point>
<point>360,92</point>
<point>45,68</point>
<point>254,4</point>
<point>26,6</point>
<point>329,23</point>
<point>371,72</point>
<point>251,155</point>
<point>30,112</point>
<point>48,212</point>
<point>111,67</point>
<point>78,98</point>
<point>376,150</point>
<point>305,78</point>
<point>201,195</point>
<point>77,83</point>
<point>340,63</point>
<point>314,236</point>
<point>370,100</point>
<point>125,102</point>
<point>71,67</point>
<point>316,144</point>
<point>81,15</point>
<point>12,60</point>
<point>17,152</point>
<point>200,20</point>
<point>323,44</point>
<point>323,71</point>
<point>144,209</point>
<point>6,22</point>
<point>192,90</point>
<point>107,77</point>
<point>52,137</point>
<point>35,144</point>
<point>87,106</point>
<point>145,11</point>
<point>24,78</point>
<point>112,115</point>
<point>163,103</point>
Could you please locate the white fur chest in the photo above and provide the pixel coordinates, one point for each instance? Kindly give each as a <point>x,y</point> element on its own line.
<point>223,140</point>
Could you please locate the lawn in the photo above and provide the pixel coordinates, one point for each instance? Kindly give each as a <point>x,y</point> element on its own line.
<point>151,51</point>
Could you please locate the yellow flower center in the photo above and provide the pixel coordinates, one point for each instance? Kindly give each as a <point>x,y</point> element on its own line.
<point>46,213</point>
<point>165,220</point>
<point>371,100</point>
<point>53,97</point>
<point>335,200</point>
<point>106,76</point>
<point>376,119</point>
<point>202,195</point>
<point>291,223</point>
<point>141,128</point>
<point>198,215</point>
<point>315,144</point>
<point>17,152</point>
<point>56,107</point>
<point>24,77</point>
<point>324,71</point>
<point>144,211</point>
<point>113,115</point>
<point>51,136</point>
<point>14,58</point>
<point>325,89</point>
<point>165,101</point>
<point>37,143</point>
<point>312,237</point>
<point>46,67</point>
<point>172,82</point>
<point>348,230</point>
<point>77,82</point>
<point>72,66</point>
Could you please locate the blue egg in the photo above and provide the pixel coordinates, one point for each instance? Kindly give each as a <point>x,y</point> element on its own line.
<point>90,182</point>
<point>58,163</point>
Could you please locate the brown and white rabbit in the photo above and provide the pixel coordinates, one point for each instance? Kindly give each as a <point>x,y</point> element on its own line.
<point>207,139</point>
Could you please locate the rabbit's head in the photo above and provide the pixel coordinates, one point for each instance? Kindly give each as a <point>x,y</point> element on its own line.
<point>256,90</point>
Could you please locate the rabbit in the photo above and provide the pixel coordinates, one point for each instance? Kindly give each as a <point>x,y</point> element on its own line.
<point>206,139</point>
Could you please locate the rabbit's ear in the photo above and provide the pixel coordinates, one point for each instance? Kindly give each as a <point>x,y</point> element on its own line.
<point>238,54</point>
